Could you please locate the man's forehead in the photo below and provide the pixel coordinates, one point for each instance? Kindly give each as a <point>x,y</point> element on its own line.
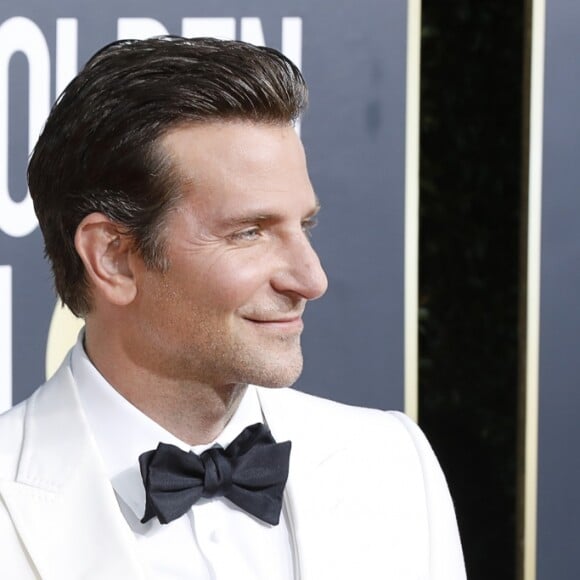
<point>206,149</point>
<point>207,127</point>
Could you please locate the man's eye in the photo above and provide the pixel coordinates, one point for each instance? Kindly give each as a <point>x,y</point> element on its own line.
<point>308,225</point>
<point>247,234</point>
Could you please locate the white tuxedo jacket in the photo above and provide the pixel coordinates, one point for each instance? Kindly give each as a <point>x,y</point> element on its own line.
<point>366,497</point>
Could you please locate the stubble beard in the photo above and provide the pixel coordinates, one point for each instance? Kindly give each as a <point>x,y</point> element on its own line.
<point>275,363</point>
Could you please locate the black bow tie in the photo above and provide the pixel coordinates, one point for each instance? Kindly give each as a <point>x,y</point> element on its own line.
<point>251,472</point>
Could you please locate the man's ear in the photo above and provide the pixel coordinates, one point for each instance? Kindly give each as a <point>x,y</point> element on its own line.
<point>107,254</point>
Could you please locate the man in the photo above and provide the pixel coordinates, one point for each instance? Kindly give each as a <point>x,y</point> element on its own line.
<point>174,199</point>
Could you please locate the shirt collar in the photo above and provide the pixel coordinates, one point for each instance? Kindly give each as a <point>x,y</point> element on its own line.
<point>122,432</point>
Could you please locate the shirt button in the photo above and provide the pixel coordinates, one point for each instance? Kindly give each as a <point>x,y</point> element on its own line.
<point>213,537</point>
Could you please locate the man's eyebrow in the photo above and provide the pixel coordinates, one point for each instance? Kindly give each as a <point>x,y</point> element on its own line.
<point>249,219</point>
<point>262,217</point>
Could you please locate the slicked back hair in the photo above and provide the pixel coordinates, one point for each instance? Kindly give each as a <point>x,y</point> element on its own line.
<point>99,150</point>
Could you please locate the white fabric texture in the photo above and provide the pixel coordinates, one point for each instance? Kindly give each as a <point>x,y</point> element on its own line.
<point>365,496</point>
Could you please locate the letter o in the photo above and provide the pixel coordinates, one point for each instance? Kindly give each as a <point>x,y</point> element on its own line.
<point>20,34</point>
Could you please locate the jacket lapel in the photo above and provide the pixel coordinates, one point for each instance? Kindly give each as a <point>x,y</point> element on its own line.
<point>62,503</point>
<point>355,492</point>
<point>315,490</point>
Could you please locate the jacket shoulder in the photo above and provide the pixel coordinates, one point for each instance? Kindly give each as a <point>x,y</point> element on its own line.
<point>338,420</point>
<point>315,404</point>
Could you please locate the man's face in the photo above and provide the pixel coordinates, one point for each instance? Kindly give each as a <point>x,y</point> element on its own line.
<point>229,309</point>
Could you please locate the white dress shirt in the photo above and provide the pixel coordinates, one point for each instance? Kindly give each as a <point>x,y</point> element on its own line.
<point>214,540</point>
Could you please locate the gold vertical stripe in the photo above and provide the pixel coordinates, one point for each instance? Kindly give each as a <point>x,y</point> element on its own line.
<point>412,207</point>
<point>533,289</point>
<point>62,335</point>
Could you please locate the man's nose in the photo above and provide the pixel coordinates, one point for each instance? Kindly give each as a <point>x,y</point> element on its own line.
<point>302,272</point>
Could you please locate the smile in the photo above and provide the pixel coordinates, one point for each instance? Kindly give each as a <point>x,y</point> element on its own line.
<point>293,324</point>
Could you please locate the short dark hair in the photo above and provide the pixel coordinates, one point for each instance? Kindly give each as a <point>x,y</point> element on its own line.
<point>99,150</point>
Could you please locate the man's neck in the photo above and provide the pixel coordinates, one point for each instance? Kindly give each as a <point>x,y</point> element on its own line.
<point>195,413</point>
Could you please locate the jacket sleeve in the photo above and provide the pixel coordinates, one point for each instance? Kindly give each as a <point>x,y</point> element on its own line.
<point>445,553</point>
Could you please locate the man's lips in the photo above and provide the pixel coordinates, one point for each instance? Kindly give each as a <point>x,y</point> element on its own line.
<point>288,323</point>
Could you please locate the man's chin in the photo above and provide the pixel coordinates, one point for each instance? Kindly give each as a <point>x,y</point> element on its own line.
<point>275,385</point>
<point>279,378</point>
